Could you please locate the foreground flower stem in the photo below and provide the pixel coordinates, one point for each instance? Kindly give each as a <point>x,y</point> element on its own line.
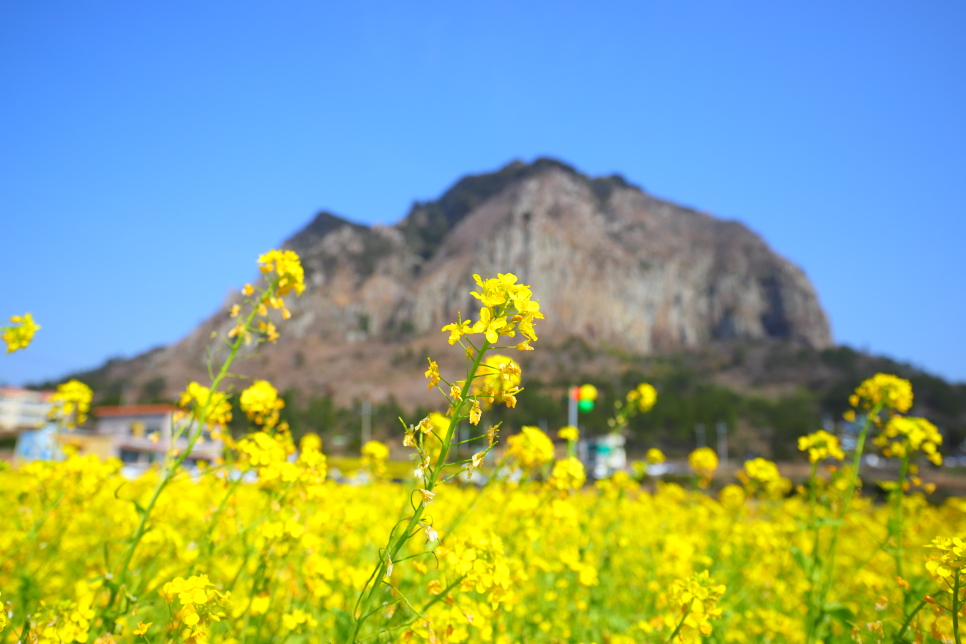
<point>905,624</point>
<point>829,570</point>
<point>816,541</point>
<point>900,493</point>
<point>680,625</point>
<point>118,577</point>
<point>956,607</point>
<point>396,544</point>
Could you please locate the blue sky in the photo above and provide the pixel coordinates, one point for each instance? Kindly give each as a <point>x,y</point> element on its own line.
<point>150,151</point>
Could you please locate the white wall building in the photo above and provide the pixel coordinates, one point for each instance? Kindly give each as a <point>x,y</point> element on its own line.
<point>22,409</point>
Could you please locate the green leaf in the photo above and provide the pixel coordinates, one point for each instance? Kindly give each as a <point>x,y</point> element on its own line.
<point>841,613</point>
<point>804,561</point>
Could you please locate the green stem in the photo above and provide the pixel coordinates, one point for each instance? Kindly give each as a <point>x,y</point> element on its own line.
<point>680,625</point>
<point>905,625</point>
<point>829,568</point>
<point>396,545</point>
<point>900,493</point>
<point>956,608</point>
<point>119,577</point>
<point>813,526</point>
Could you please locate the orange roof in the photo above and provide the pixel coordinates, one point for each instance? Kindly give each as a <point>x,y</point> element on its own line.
<point>134,410</point>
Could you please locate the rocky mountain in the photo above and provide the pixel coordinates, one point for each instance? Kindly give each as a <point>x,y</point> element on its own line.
<point>611,265</point>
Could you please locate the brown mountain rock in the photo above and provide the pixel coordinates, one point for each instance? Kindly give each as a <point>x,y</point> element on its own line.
<point>608,262</point>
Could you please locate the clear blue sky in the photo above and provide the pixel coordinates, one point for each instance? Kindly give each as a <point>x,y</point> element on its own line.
<point>150,151</point>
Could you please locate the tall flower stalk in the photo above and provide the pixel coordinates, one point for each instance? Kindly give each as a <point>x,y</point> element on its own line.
<point>507,310</point>
<point>207,407</point>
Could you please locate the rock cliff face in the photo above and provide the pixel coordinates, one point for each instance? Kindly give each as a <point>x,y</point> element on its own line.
<point>608,262</point>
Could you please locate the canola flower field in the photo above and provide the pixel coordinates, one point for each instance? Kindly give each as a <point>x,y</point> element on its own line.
<point>261,546</point>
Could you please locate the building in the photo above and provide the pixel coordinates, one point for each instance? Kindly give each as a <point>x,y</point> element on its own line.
<point>141,434</point>
<point>22,409</point>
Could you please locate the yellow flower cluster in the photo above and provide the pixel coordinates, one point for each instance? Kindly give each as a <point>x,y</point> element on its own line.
<point>288,276</point>
<point>507,308</point>
<point>67,620</point>
<point>478,562</point>
<point>498,381</point>
<point>261,403</point>
<point>374,457</point>
<point>696,598</point>
<point>568,433</point>
<point>568,474</point>
<point>20,333</point>
<point>287,267</point>
<point>583,567</point>
<point>762,474</point>
<point>71,403</point>
<point>655,456</point>
<point>299,620</point>
<point>703,462</point>
<point>950,556</point>
<point>821,445</point>
<point>202,404</point>
<point>268,456</point>
<point>904,435</point>
<point>530,449</point>
<point>645,395</point>
<point>882,390</point>
<point>640,400</point>
<point>201,604</point>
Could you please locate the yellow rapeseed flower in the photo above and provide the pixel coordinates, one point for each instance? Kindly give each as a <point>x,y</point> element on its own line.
<point>645,395</point>
<point>432,373</point>
<point>457,330</point>
<point>904,435</point>
<point>261,403</point>
<point>71,402</point>
<point>568,433</point>
<point>568,474</point>
<point>195,399</point>
<point>883,389</point>
<point>288,267</point>
<point>949,558</point>
<point>703,461</point>
<point>19,335</point>
<point>531,448</point>
<point>821,445</point>
<point>696,599</point>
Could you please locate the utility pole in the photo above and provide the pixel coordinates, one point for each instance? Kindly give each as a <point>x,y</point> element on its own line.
<point>699,435</point>
<point>572,408</point>
<point>722,430</point>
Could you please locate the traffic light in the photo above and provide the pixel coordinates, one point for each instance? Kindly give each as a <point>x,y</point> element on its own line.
<point>585,395</point>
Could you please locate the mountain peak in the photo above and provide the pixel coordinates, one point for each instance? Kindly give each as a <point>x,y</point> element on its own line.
<point>611,265</point>
<point>429,222</point>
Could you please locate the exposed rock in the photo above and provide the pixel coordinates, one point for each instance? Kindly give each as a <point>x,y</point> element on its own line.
<point>608,262</point>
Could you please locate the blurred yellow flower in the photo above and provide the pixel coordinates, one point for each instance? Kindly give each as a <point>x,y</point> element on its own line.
<point>70,403</point>
<point>821,445</point>
<point>287,267</point>
<point>568,433</point>
<point>20,333</point>
<point>198,400</point>
<point>531,448</point>
<point>261,403</point>
<point>645,395</point>
<point>883,389</point>
<point>703,461</point>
